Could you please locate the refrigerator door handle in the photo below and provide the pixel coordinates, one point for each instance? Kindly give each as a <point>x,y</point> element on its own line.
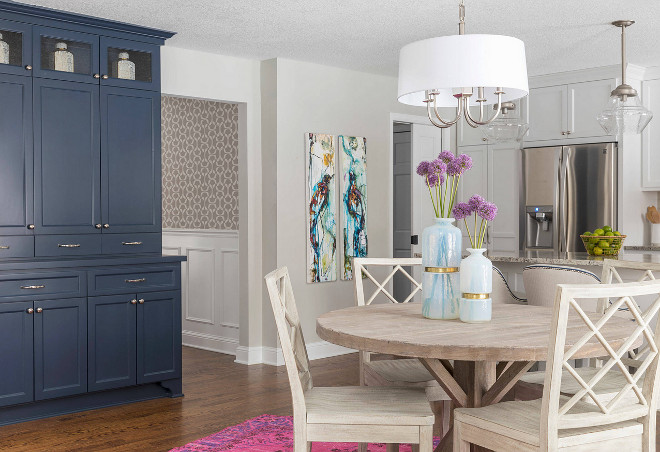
<point>563,199</point>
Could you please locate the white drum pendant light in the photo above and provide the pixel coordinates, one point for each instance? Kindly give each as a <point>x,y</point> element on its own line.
<point>624,112</point>
<point>448,71</point>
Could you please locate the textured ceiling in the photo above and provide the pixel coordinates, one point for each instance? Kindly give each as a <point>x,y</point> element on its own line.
<point>366,35</point>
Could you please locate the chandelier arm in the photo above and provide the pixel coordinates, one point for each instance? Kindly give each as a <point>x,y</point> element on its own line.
<point>471,122</point>
<point>459,112</point>
<point>483,123</point>
<point>428,112</point>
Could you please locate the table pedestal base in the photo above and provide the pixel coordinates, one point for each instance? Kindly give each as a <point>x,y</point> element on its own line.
<point>473,384</point>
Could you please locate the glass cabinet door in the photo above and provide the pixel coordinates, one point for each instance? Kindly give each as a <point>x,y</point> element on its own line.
<point>15,55</point>
<point>129,64</point>
<point>66,55</point>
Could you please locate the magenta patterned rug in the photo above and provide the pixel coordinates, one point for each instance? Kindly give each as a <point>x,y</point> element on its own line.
<point>268,433</point>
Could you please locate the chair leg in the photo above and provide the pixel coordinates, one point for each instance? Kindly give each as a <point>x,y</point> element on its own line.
<point>300,443</point>
<point>309,446</point>
<point>362,447</point>
<point>426,438</point>
<point>393,447</point>
<point>460,445</point>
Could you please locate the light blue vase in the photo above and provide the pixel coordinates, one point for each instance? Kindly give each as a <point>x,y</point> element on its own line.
<point>476,286</point>
<point>441,259</point>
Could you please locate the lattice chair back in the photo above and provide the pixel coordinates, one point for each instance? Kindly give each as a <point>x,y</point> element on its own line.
<point>397,265</point>
<point>637,393</point>
<point>638,271</point>
<point>290,334</point>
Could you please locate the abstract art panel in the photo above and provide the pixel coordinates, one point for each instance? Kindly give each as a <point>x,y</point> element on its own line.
<point>353,199</point>
<point>321,208</point>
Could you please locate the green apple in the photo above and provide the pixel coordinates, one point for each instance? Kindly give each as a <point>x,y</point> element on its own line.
<point>587,233</point>
<point>607,228</point>
<point>598,251</point>
<point>599,232</point>
<point>603,244</point>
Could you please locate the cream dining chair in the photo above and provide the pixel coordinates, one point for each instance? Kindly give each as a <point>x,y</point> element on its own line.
<point>530,385</point>
<point>584,421</point>
<point>350,413</point>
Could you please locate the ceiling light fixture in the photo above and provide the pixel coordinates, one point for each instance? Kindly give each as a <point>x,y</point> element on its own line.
<point>446,71</point>
<point>507,126</point>
<point>624,112</point>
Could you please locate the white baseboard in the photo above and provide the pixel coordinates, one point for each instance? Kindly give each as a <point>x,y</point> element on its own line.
<point>209,342</point>
<point>273,356</point>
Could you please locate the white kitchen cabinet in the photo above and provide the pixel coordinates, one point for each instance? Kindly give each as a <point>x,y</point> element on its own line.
<point>495,175</point>
<point>568,111</point>
<point>651,137</point>
<point>504,180</point>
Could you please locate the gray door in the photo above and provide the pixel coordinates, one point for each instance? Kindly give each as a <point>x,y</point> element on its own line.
<point>402,196</point>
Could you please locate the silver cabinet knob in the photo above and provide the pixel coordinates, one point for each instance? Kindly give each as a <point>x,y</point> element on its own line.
<point>106,226</point>
<point>97,226</point>
<point>30,226</point>
<point>28,67</point>
<point>97,76</point>
<point>133,301</point>
<point>40,310</point>
<point>568,132</point>
<point>484,139</point>
<point>30,310</point>
<point>141,301</point>
<point>105,76</point>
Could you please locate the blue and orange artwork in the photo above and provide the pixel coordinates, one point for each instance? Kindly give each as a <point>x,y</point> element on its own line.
<point>321,208</point>
<point>354,200</point>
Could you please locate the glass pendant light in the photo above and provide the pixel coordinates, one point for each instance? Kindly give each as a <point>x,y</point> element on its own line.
<point>507,127</point>
<point>624,112</point>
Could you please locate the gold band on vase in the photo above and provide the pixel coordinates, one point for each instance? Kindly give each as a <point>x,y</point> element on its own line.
<point>476,296</point>
<point>441,269</point>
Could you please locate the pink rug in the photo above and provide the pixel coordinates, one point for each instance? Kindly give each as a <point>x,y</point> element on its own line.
<point>268,433</point>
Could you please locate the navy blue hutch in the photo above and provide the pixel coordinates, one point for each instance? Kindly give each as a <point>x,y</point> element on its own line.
<point>90,310</point>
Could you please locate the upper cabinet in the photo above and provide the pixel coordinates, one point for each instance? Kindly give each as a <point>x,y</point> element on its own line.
<point>130,64</point>
<point>15,48</point>
<point>568,111</point>
<point>651,137</point>
<point>66,55</point>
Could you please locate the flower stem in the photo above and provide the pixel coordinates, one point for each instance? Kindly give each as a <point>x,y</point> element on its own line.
<point>468,231</point>
<point>482,232</point>
<point>452,199</point>
<point>435,209</point>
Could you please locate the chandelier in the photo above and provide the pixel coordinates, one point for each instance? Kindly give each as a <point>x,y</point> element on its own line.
<point>624,112</point>
<point>448,71</point>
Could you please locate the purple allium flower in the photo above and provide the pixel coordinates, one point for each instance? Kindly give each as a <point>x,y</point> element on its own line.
<point>423,168</point>
<point>465,161</point>
<point>437,166</point>
<point>487,211</point>
<point>446,156</point>
<point>432,179</point>
<point>475,201</point>
<point>454,168</point>
<point>441,178</point>
<point>461,210</point>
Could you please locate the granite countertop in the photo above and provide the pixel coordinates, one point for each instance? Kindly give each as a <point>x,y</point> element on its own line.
<point>580,258</point>
<point>642,248</point>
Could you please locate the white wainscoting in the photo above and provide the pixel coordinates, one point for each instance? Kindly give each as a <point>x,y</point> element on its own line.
<point>209,286</point>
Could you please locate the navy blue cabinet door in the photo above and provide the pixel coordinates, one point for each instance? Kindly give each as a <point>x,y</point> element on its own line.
<point>16,340</point>
<point>158,336</point>
<point>145,57</point>
<point>130,160</point>
<point>18,37</point>
<point>111,341</point>
<point>66,157</point>
<point>16,187</point>
<point>84,50</point>
<point>60,348</point>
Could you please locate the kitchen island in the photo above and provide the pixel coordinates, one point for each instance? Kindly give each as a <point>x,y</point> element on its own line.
<point>512,263</point>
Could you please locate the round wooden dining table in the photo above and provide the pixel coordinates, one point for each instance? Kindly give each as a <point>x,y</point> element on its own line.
<point>488,358</point>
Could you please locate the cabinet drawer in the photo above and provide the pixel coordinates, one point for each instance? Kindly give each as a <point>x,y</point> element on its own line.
<point>43,285</point>
<point>67,245</point>
<point>132,280</point>
<point>131,243</point>
<point>16,246</point>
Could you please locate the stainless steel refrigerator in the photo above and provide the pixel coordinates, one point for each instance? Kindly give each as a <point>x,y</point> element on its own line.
<point>567,190</point>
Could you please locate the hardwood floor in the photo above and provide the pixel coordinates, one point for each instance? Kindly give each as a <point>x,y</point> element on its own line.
<point>218,394</point>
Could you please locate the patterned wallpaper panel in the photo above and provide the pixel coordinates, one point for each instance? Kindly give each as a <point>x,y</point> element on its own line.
<point>200,164</point>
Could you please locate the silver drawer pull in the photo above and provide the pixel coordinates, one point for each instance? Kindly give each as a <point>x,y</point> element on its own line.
<point>4,247</point>
<point>38,286</point>
<point>131,243</point>
<point>68,245</point>
<point>136,280</point>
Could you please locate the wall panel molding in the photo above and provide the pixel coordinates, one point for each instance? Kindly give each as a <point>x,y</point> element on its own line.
<point>209,282</point>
